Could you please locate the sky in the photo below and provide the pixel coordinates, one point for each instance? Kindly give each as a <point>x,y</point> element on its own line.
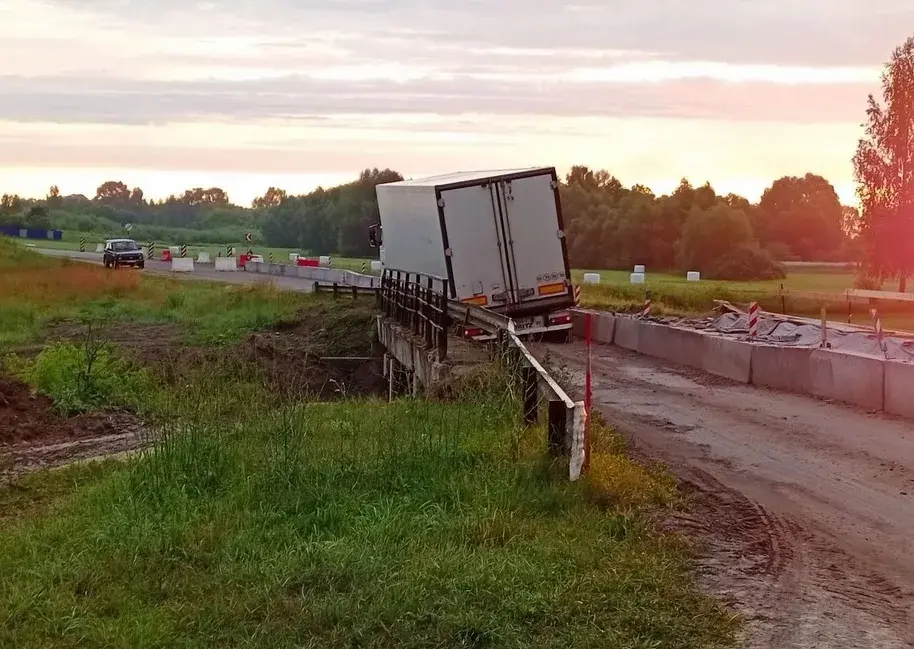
<point>246,94</point>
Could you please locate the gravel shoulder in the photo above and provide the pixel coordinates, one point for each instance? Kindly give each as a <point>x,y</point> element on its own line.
<point>804,509</point>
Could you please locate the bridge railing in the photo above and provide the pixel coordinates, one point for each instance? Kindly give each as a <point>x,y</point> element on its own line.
<point>418,302</point>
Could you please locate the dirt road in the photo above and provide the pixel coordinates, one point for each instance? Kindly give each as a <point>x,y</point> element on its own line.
<point>805,508</point>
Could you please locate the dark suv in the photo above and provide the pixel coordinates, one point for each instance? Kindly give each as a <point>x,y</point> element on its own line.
<point>123,252</point>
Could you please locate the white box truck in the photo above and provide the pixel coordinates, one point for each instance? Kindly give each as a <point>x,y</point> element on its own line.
<point>495,237</point>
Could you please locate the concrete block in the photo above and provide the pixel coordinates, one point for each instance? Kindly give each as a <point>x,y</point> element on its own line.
<point>782,368</point>
<point>603,326</point>
<point>377,266</point>
<point>636,278</point>
<point>640,269</point>
<point>899,388</point>
<point>627,333</point>
<point>851,378</point>
<point>100,247</point>
<point>591,278</point>
<point>203,258</point>
<point>226,264</point>
<point>680,346</point>
<point>179,265</point>
<point>731,359</point>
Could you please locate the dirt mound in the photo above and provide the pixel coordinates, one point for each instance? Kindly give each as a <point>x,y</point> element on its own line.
<point>29,417</point>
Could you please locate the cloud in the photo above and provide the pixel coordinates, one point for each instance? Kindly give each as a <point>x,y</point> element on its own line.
<point>56,99</point>
<point>816,32</point>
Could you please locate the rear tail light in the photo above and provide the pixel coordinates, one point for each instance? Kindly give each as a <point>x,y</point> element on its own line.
<point>560,318</point>
<point>472,332</point>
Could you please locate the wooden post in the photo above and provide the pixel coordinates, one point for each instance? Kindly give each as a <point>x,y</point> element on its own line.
<point>824,325</point>
<point>336,290</point>
<point>531,395</point>
<point>558,423</point>
<point>783,300</point>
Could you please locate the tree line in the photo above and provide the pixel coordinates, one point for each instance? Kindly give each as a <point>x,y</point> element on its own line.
<point>608,225</point>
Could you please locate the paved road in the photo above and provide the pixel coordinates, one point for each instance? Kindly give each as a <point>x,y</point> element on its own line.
<point>806,507</point>
<point>201,271</point>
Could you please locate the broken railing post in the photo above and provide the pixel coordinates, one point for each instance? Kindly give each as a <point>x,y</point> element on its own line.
<point>558,424</point>
<point>531,395</point>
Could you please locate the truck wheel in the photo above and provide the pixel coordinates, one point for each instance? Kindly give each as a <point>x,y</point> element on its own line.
<point>141,265</point>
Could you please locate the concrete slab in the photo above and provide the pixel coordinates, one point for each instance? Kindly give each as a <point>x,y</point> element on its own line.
<point>731,359</point>
<point>850,378</point>
<point>226,264</point>
<point>182,265</point>
<point>627,333</point>
<point>680,346</point>
<point>603,325</point>
<point>782,368</point>
<point>899,388</point>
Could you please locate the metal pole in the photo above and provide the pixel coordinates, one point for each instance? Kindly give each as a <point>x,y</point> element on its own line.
<point>588,391</point>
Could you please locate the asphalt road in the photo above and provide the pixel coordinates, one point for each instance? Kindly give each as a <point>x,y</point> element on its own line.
<point>805,508</point>
<point>201,271</point>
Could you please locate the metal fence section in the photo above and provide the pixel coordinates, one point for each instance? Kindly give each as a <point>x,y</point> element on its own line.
<point>420,303</point>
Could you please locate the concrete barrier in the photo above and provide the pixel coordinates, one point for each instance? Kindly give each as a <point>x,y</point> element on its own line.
<point>100,247</point>
<point>203,258</point>
<point>626,334</point>
<point>731,359</point>
<point>781,368</point>
<point>179,265</point>
<point>226,264</point>
<point>899,389</point>
<point>377,266</point>
<point>591,278</point>
<point>850,378</point>
<point>680,346</point>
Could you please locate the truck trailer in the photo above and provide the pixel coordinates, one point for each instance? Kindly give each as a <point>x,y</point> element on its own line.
<point>496,239</point>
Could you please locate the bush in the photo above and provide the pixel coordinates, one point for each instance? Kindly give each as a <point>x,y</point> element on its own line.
<point>746,262</point>
<point>83,377</point>
<point>867,282</point>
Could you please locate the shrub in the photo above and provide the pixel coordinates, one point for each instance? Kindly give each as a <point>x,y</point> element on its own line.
<point>867,282</point>
<point>746,262</point>
<point>82,377</point>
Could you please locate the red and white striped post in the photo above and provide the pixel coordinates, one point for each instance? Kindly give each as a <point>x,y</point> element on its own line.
<point>753,320</point>
<point>646,310</point>
<point>577,295</point>
<point>588,390</point>
<point>877,326</point>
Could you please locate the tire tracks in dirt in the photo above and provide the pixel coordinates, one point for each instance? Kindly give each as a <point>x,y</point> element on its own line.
<point>801,518</point>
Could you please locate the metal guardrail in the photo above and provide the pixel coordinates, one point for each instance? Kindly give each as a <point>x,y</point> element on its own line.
<point>344,289</point>
<point>416,301</point>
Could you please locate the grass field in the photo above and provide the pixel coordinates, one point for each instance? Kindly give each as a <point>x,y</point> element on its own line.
<point>261,518</point>
<point>673,295</point>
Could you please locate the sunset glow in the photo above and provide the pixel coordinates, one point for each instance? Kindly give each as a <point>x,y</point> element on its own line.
<point>174,97</point>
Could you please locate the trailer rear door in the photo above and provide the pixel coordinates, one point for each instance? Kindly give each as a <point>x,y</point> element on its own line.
<point>535,245</point>
<point>475,244</point>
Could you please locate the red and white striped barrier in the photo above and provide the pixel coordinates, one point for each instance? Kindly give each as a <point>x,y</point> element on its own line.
<point>877,326</point>
<point>577,296</point>
<point>753,320</point>
<point>646,311</point>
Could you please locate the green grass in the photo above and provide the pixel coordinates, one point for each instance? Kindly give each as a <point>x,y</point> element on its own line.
<point>258,520</point>
<point>673,295</point>
<point>353,524</point>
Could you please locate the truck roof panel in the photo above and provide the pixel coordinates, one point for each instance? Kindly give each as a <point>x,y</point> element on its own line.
<point>467,177</point>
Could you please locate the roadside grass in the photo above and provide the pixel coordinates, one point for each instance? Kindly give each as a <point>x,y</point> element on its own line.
<point>36,291</point>
<point>358,523</point>
<point>672,295</point>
